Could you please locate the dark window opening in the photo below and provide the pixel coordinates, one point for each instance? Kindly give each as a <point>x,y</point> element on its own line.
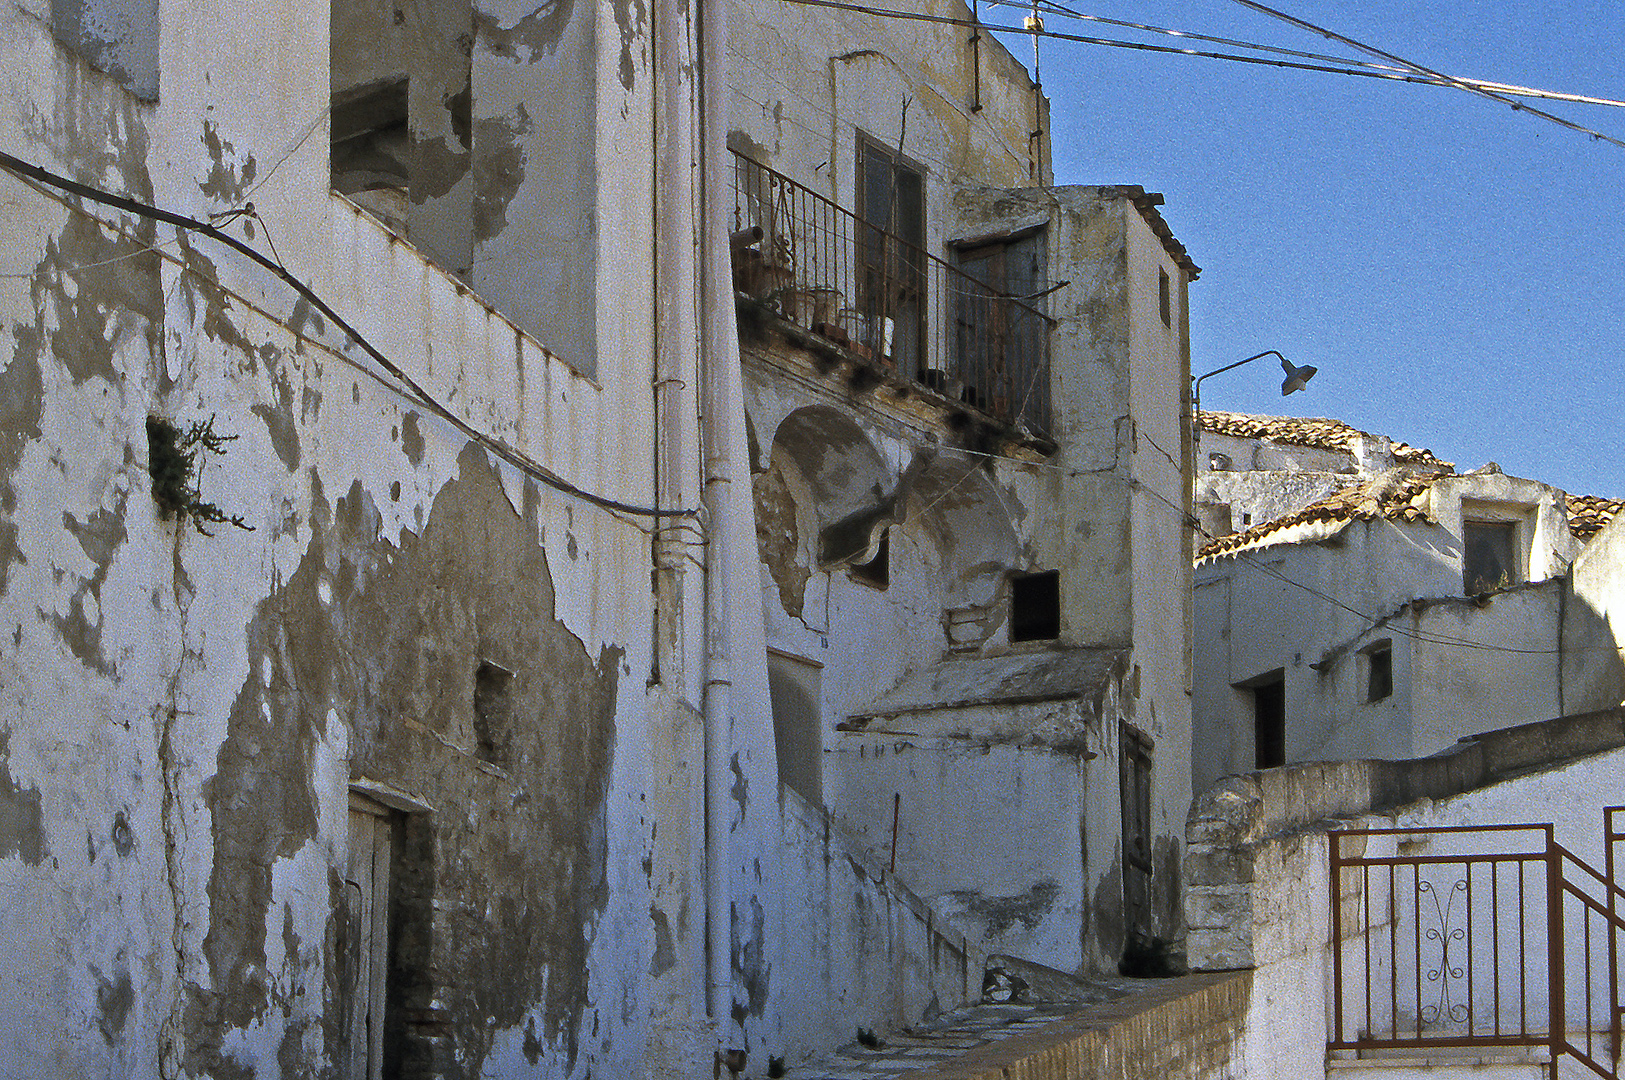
<point>372,150</point>
<point>1379,681</point>
<point>876,573</point>
<point>1035,606</point>
<point>1269,723</point>
<point>891,255</point>
<point>1165,298</point>
<point>493,712</point>
<point>1487,556</point>
<point>795,686</point>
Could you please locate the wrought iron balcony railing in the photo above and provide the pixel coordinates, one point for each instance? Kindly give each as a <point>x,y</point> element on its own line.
<point>885,299</point>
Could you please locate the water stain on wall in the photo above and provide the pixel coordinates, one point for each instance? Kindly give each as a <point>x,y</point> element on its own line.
<point>389,635</point>
<point>21,834</point>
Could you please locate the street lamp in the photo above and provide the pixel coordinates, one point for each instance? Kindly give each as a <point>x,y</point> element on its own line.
<point>1296,379</point>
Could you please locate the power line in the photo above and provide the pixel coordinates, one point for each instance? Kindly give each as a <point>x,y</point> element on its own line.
<point>1450,80</point>
<point>1505,88</point>
<point>508,453</point>
<point>1421,76</point>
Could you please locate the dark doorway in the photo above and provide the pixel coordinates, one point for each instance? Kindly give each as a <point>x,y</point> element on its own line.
<point>1134,774</point>
<point>1269,723</point>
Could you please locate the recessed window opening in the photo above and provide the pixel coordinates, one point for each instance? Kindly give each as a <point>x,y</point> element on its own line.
<point>1165,298</point>
<point>1379,682</point>
<point>372,150</point>
<point>493,712</point>
<point>1487,561</point>
<point>1269,722</point>
<point>876,573</point>
<point>1035,606</point>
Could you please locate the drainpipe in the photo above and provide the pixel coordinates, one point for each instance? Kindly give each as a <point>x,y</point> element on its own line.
<point>730,532</point>
<point>677,460</point>
<point>679,607</point>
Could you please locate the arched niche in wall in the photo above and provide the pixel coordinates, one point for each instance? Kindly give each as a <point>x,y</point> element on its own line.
<point>823,501</point>
<point>959,505</point>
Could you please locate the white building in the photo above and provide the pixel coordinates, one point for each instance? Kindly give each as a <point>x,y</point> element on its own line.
<point>463,756</point>
<point>1388,620</point>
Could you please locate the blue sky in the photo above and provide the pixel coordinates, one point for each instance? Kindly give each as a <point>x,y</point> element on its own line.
<point>1451,266</point>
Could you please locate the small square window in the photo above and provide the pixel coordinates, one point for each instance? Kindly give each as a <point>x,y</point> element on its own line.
<point>493,712</point>
<point>1379,681</point>
<point>1035,606</point>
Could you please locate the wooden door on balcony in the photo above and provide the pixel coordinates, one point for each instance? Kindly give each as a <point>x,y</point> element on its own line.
<point>998,345</point>
<point>891,257</point>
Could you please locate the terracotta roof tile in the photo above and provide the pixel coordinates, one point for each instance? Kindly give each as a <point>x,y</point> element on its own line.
<point>1395,495</point>
<point>1319,432</point>
<point>1589,513</point>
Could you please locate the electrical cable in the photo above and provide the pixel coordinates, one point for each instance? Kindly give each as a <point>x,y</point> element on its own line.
<point>1450,80</point>
<point>513,456</point>
<point>1426,78</point>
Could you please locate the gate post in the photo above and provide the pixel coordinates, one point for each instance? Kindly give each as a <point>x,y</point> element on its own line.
<point>1554,948</point>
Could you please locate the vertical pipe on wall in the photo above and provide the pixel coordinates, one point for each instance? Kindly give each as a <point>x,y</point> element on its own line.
<point>730,535</point>
<point>678,614</point>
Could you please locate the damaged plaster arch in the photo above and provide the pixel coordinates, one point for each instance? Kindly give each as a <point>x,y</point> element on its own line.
<point>824,498</point>
<point>957,502</point>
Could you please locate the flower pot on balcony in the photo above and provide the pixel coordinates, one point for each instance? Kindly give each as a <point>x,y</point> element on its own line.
<point>812,306</point>
<point>759,279</point>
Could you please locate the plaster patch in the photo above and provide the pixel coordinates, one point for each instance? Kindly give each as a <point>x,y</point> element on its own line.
<point>499,169</point>
<point>528,38</point>
<point>632,18</point>
<point>280,423</point>
<point>999,914</point>
<point>411,439</point>
<point>114,999</point>
<point>501,894</point>
<point>22,835</point>
<point>227,180</point>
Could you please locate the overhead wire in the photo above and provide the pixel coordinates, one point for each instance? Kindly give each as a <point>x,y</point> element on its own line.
<point>1450,80</point>
<point>1419,75</point>
<point>513,456</point>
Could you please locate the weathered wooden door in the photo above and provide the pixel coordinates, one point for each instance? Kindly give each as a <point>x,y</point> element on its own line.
<point>1135,776</point>
<point>364,950</point>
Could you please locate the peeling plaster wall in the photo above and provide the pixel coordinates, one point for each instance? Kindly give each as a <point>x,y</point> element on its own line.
<point>833,461</point>
<point>182,716</point>
<point>805,81</point>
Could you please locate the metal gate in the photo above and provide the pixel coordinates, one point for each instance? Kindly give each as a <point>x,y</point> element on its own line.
<point>1490,936</point>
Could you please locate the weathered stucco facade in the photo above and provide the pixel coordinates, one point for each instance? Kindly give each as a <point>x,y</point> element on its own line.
<point>462,756</point>
<point>1358,615</point>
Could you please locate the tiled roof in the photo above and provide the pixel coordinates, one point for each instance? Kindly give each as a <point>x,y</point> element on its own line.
<point>1589,513</point>
<point>1319,432</point>
<point>1395,495</point>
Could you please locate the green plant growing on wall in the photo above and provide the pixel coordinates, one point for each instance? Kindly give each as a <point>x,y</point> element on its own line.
<point>176,459</point>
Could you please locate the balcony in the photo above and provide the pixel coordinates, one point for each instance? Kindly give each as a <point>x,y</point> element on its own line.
<point>885,300</point>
